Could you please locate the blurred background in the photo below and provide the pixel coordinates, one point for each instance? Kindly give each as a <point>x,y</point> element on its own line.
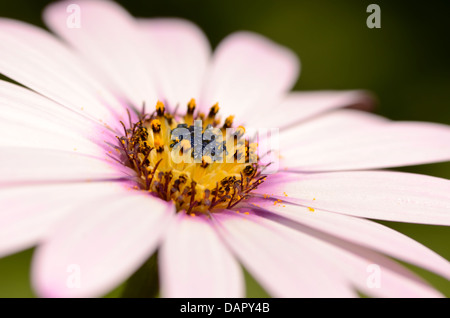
<point>405,63</point>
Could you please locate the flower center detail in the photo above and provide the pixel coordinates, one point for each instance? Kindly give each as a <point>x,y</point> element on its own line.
<point>193,160</point>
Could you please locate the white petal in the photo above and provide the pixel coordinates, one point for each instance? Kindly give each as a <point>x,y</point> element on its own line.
<point>283,267</point>
<point>380,146</point>
<point>300,106</point>
<point>31,120</point>
<point>363,232</point>
<point>108,37</point>
<point>248,73</point>
<point>28,212</point>
<point>392,196</point>
<point>180,58</point>
<point>23,165</point>
<point>326,126</point>
<point>366,270</point>
<point>103,243</point>
<point>36,59</point>
<point>195,263</point>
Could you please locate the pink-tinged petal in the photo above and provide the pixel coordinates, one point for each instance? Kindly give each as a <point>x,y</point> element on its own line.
<point>364,269</point>
<point>23,107</point>
<point>336,123</point>
<point>27,132</point>
<point>31,120</point>
<point>181,55</point>
<point>248,73</point>
<point>194,262</point>
<point>392,196</point>
<point>391,145</point>
<point>25,165</point>
<point>109,38</point>
<point>104,242</point>
<point>377,275</point>
<point>300,106</point>
<point>395,281</point>
<point>28,212</point>
<point>362,232</point>
<point>285,268</point>
<point>36,59</point>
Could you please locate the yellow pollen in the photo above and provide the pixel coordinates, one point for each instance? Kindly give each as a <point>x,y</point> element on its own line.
<point>206,160</point>
<point>311,209</point>
<point>214,110</point>
<point>160,108</point>
<point>159,145</point>
<point>191,106</point>
<point>189,117</point>
<point>228,122</point>
<point>185,144</point>
<point>240,130</point>
<point>156,125</point>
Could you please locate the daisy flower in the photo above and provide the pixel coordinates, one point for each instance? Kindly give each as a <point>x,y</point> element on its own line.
<point>88,174</point>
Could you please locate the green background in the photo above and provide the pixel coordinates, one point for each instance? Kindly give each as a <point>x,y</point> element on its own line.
<point>405,63</point>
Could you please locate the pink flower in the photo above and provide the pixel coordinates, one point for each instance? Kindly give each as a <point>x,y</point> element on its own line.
<point>101,207</point>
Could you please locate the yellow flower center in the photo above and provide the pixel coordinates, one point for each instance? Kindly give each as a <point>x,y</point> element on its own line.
<point>194,161</point>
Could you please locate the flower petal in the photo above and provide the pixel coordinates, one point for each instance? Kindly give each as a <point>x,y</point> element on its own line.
<point>338,122</point>
<point>393,144</point>
<point>182,53</point>
<point>248,73</point>
<point>362,232</point>
<point>103,243</point>
<point>108,37</point>
<point>195,263</point>
<point>366,270</point>
<point>24,165</point>
<point>28,212</point>
<point>299,106</point>
<point>283,268</point>
<point>392,196</point>
<point>395,281</point>
<point>36,59</point>
<point>28,119</point>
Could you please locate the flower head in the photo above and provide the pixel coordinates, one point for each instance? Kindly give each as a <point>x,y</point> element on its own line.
<point>115,148</point>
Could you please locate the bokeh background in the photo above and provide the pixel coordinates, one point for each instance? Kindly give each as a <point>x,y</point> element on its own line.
<point>405,63</point>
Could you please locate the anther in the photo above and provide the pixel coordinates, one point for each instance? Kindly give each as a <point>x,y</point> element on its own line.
<point>191,106</point>
<point>240,131</point>
<point>228,122</point>
<point>159,145</point>
<point>185,144</point>
<point>206,161</point>
<point>189,117</point>
<point>249,170</point>
<point>214,110</point>
<point>160,108</point>
<point>211,120</point>
<point>156,125</point>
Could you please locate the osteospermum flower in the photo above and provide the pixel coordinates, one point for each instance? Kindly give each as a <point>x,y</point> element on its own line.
<point>87,172</point>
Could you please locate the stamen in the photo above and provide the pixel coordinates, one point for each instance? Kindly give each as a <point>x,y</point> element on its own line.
<point>189,117</point>
<point>156,126</point>
<point>210,120</point>
<point>160,108</point>
<point>228,122</point>
<point>206,161</point>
